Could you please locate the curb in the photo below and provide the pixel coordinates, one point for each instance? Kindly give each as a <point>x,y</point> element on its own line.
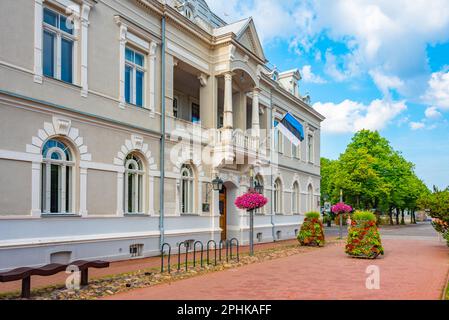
<point>443,297</point>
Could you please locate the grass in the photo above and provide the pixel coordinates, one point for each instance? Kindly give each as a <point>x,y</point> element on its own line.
<point>446,297</point>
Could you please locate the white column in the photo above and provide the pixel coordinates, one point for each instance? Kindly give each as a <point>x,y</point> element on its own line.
<point>126,204</point>
<point>62,188</point>
<point>35,189</point>
<point>123,31</point>
<point>178,197</point>
<point>200,197</point>
<point>83,192</point>
<point>150,195</point>
<point>38,13</point>
<point>47,187</point>
<point>152,76</point>
<point>85,10</point>
<point>255,128</point>
<point>228,121</point>
<point>120,189</point>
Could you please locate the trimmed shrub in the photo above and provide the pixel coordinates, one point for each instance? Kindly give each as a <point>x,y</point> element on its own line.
<point>313,215</point>
<point>311,233</point>
<point>364,238</point>
<point>364,216</point>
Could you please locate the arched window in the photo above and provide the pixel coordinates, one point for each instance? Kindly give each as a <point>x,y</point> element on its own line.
<point>187,180</point>
<point>134,177</point>
<point>296,198</point>
<point>57,175</point>
<point>278,138</point>
<point>310,198</point>
<point>278,196</point>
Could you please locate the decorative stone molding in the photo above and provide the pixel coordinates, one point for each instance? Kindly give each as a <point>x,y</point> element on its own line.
<point>203,79</point>
<point>59,127</point>
<point>187,157</point>
<point>135,143</point>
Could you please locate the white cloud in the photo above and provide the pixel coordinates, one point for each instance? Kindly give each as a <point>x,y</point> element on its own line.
<point>385,33</point>
<point>432,113</point>
<point>386,83</point>
<point>350,116</point>
<point>417,125</point>
<point>308,75</point>
<point>438,90</point>
<point>273,19</point>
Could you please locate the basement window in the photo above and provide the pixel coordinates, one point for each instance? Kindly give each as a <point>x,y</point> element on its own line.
<point>136,250</point>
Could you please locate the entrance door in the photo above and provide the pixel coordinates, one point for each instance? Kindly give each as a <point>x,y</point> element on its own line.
<point>222,207</point>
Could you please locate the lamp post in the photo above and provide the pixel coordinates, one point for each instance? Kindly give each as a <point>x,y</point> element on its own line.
<point>341,217</point>
<point>217,185</point>
<point>256,186</point>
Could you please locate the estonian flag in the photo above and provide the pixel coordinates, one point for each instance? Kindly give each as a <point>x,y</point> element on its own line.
<point>292,129</point>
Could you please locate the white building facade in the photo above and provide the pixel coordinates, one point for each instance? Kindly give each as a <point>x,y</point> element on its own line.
<point>93,92</point>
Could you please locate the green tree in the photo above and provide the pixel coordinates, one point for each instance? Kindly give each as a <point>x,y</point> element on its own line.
<point>373,175</point>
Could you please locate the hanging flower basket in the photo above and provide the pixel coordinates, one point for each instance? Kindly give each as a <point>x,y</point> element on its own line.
<point>250,201</point>
<point>363,237</point>
<point>341,208</point>
<point>311,233</point>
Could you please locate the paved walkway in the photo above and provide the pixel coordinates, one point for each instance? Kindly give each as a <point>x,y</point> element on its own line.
<point>118,268</point>
<point>410,269</point>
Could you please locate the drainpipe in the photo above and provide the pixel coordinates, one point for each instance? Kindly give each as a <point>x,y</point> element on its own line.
<point>162,149</point>
<point>271,166</point>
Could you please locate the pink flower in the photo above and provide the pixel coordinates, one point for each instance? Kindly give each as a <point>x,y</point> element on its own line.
<point>341,208</point>
<point>250,201</point>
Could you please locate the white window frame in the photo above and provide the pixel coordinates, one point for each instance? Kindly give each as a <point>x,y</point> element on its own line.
<point>64,164</point>
<point>278,195</point>
<point>138,179</point>
<point>310,206</point>
<point>60,34</point>
<point>296,198</point>
<point>310,148</point>
<point>135,67</point>
<point>188,181</point>
<point>278,138</point>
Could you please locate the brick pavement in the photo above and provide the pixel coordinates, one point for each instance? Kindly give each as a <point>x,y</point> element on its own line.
<point>410,269</point>
<point>119,267</point>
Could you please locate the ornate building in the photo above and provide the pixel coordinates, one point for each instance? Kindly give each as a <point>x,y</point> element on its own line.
<point>93,92</point>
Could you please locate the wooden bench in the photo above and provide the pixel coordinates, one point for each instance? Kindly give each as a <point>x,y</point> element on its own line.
<point>25,273</point>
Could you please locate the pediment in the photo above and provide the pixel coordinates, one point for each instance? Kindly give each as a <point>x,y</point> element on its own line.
<point>249,38</point>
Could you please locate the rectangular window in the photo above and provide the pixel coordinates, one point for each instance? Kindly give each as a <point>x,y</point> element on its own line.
<point>128,83</point>
<point>277,138</point>
<point>134,77</point>
<point>66,60</point>
<point>310,148</point>
<point>175,107</point>
<point>195,113</point>
<point>49,54</point>
<point>58,46</point>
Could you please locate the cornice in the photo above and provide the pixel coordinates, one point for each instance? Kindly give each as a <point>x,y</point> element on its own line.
<point>291,97</point>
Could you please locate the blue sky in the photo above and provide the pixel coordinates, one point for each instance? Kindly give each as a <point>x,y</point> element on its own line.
<point>380,65</point>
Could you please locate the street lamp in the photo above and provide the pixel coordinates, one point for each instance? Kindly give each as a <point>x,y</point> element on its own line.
<point>217,185</point>
<point>341,216</point>
<point>259,189</point>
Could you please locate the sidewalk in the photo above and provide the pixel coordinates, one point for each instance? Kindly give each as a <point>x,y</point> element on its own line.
<point>127,266</point>
<point>410,269</point>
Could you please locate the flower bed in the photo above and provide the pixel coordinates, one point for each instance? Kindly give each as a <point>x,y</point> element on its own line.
<point>364,238</point>
<point>311,233</point>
